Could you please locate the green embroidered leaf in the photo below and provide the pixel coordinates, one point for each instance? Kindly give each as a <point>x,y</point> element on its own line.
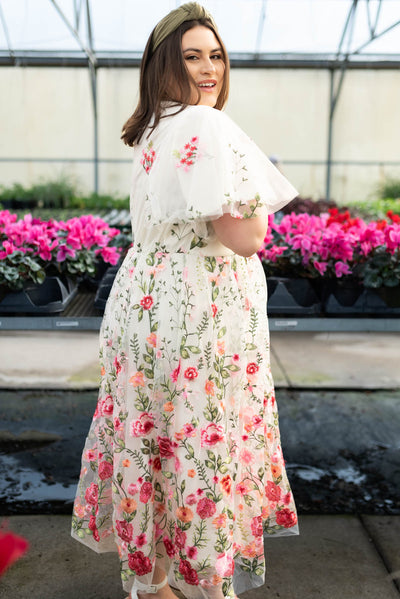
<point>184,353</point>
<point>221,332</point>
<point>232,367</point>
<point>149,373</point>
<point>211,455</point>
<point>193,349</point>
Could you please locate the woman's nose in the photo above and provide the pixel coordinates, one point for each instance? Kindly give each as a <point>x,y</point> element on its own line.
<point>208,66</point>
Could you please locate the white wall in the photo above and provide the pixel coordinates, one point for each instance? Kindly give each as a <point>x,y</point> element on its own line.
<point>46,113</point>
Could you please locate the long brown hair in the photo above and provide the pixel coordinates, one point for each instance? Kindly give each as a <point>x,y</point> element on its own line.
<point>157,71</point>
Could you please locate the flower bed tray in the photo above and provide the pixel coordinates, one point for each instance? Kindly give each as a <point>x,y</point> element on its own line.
<point>371,302</point>
<point>51,297</point>
<point>292,297</point>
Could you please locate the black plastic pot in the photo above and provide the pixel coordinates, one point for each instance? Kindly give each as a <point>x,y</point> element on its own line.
<point>292,296</point>
<point>50,297</point>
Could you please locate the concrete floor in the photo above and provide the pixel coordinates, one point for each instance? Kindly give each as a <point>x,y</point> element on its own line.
<point>68,359</point>
<point>334,557</point>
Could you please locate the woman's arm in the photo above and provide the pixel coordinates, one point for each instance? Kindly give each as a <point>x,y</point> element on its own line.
<point>244,236</point>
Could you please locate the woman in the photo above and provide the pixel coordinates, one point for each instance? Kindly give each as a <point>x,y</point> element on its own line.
<point>182,470</point>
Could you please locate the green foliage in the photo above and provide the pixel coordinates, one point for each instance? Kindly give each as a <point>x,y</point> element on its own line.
<point>390,189</point>
<point>60,194</point>
<point>18,268</point>
<point>381,270</point>
<point>374,209</point>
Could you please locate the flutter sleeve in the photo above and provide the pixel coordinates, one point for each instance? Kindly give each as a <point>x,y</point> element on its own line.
<point>208,167</point>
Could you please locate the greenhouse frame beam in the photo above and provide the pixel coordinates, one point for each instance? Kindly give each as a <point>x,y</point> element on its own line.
<point>342,64</point>
<point>6,35</point>
<point>93,64</point>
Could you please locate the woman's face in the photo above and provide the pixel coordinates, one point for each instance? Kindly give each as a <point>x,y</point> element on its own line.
<point>203,58</point>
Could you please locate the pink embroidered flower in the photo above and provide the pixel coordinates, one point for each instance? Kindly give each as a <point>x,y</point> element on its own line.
<point>214,309</point>
<point>174,374</point>
<point>166,447</point>
<point>191,552</point>
<point>187,155</point>
<point>148,157</point>
<point>180,537</point>
<point>225,565</point>
<point>143,425</point>
<point>189,430</point>
<point>140,540</point>
<point>272,491</point>
<point>146,492</point>
<point>124,530</point>
<point>206,508</point>
<point>191,499</point>
<point>211,435</point>
<point>92,494</point>
<point>246,456</point>
<point>257,526</point>
<point>105,470</point>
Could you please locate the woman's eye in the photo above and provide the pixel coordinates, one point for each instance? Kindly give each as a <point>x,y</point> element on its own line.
<point>191,57</point>
<point>216,56</point>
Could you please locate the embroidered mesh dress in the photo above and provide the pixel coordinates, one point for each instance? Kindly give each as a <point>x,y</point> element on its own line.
<point>183,461</point>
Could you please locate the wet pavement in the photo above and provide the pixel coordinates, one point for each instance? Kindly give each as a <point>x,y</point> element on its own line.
<point>342,449</point>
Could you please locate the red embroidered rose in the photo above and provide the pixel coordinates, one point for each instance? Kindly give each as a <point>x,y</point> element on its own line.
<point>252,368</point>
<point>206,508</point>
<point>191,373</point>
<point>257,526</point>
<point>92,494</point>
<point>211,435</point>
<point>188,573</point>
<point>166,447</point>
<point>146,302</point>
<point>92,523</point>
<point>169,547</point>
<point>143,425</point>
<point>146,491</point>
<point>180,537</point>
<point>105,470</point>
<point>286,518</point>
<point>157,464</point>
<point>139,563</point>
<point>124,530</point>
<point>214,309</point>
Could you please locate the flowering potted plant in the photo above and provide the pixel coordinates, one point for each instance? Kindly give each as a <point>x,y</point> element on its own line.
<point>52,254</point>
<point>339,255</point>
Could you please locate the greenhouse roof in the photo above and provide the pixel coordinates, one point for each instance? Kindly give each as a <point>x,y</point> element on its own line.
<point>255,31</point>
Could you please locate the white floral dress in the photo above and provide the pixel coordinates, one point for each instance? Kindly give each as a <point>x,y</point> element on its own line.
<point>183,462</point>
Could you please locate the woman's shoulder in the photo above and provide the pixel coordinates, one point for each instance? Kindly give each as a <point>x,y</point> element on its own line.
<point>206,120</point>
